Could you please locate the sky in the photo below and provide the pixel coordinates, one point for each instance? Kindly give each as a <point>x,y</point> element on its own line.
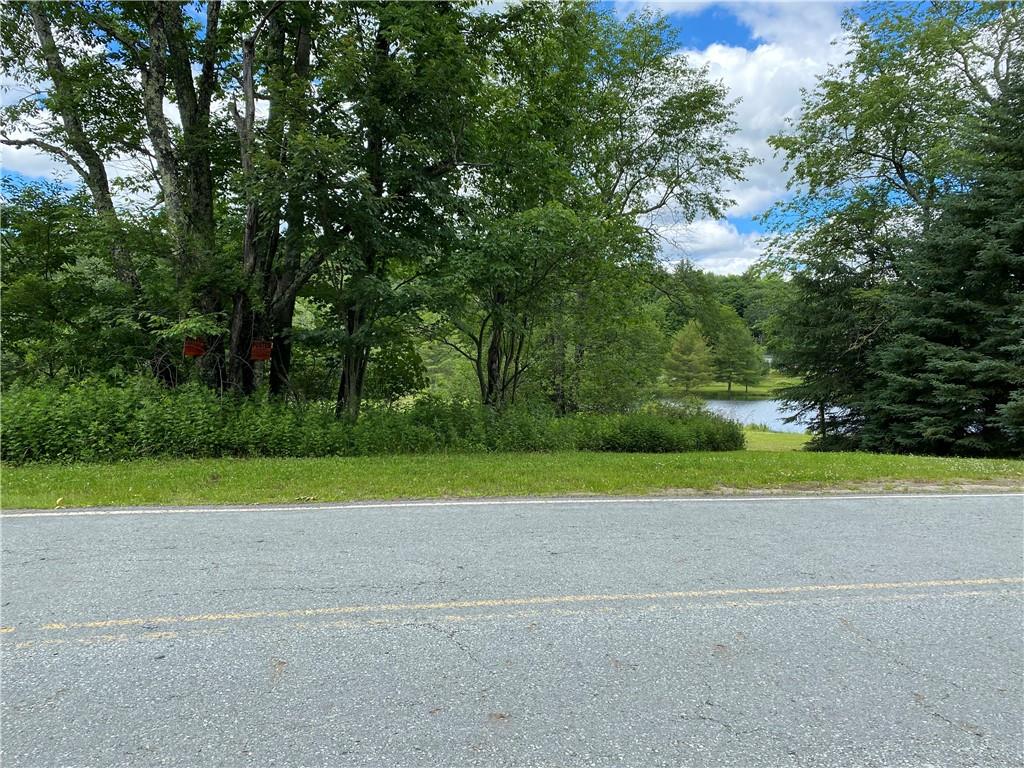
<point>763,52</point>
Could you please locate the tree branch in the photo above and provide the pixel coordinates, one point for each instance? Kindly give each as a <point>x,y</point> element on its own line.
<point>53,149</point>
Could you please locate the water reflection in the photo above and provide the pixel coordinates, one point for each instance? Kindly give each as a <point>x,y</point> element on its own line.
<point>768,412</point>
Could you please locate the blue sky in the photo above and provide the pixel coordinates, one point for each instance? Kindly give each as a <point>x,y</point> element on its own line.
<point>763,52</point>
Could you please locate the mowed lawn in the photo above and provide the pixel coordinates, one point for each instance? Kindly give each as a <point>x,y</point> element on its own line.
<point>769,464</point>
<point>767,388</point>
<point>760,440</point>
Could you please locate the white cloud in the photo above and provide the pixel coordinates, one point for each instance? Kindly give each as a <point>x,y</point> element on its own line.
<point>797,42</point>
<point>714,246</point>
<point>667,7</point>
<point>689,7</point>
<point>797,47</point>
<point>29,161</point>
<point>806,25</point>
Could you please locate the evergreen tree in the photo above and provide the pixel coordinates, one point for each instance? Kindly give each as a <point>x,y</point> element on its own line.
<point>734,353</point>
<point>689,363</point>
<point>951,378</point>
<point>836,315</point>
<point>755,369</point>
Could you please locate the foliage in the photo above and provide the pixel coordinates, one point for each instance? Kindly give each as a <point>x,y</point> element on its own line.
<point>398,370</point>
<point>94,422</point>
<point>653,433</point>
<point>756,297</point>
<point>954,360</point>
<point>433,201</point>
<point>601,347</point>
<point>569,169</point>
<point>902,320</point>
<point>735,356</point>
<point>688,364</point>
<point>415,174</point>
<point>65,314</point>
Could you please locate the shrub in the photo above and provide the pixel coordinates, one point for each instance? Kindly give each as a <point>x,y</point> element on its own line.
<point>649,433</point>
<point>93,421</point>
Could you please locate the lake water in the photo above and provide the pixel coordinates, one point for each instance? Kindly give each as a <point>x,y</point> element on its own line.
<point>769,412</point>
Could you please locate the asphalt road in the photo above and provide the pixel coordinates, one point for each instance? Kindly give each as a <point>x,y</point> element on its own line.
<point>811,632</point>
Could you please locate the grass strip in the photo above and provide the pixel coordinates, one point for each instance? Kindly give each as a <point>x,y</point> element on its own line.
<point>766,389</point>
<point>227,481</point>
<point>759,440</point>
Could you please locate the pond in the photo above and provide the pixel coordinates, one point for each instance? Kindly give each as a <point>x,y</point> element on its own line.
<point>768,412</point>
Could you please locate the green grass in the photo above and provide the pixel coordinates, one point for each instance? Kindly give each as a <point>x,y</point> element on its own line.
<point>719,390</point>
<point>761,440</point>
<point>226,481</point>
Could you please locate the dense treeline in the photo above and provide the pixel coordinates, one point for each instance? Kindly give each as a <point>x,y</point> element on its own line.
<point>396,196</point>
<point>371,203</point>
<point>905,239</point>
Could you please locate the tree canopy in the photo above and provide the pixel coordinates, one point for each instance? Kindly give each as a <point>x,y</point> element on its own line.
<point>344,202</point>
<point>899,240</point>
<point>361,180</point>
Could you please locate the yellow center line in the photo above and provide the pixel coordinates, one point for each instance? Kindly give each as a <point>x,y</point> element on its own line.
<point>655,608</point>
<point>520,601</point>
<point>542,616</point>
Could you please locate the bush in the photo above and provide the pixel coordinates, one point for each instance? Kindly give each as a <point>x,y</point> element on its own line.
<point>650,433</point>
<point>93,421</point>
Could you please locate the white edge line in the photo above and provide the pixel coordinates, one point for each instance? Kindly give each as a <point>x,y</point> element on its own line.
<point>341,507</point>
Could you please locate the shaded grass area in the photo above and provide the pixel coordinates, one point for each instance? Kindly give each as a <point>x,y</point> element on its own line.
<point>226,481</point>
<point>765,390</point>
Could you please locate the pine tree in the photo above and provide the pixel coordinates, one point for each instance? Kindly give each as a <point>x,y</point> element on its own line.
<point>734,353</point>
<point>825,335</point>
<point>688,364</point>
<point>755,367</point>
<point>951,380</point>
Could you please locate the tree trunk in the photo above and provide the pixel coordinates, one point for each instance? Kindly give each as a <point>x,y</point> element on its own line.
<point>558,396</point>
<point>350,388</point>
<point>211,364</point>
<point>492,392</point>
<point>283,286</point>
<point>281,359</point>
<point>353,367</point>
<point>241,376</point>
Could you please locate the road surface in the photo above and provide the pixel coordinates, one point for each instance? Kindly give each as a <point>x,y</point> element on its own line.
<point>851,631</point>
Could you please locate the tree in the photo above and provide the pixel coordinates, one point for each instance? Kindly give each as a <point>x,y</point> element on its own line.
<point>689,363</point>
<point>735,356</point>
<point>104,76</point>
<point>399,93</point>
<point>592,127</point>
<point>393,173</point>
<point>65,312</point>
<point>601,347</point>
<point>71,119</point>
<point>872,155</point>
<point>953,368</point>
<point>756,296</point>
<point>835,314</point>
